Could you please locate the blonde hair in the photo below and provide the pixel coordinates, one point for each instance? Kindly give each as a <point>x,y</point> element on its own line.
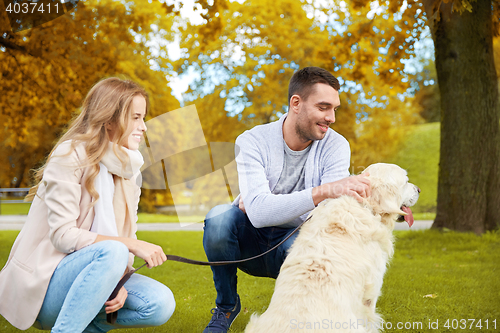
<point>108,102</point>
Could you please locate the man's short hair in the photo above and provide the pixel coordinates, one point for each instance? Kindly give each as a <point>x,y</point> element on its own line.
<point>303,80</point>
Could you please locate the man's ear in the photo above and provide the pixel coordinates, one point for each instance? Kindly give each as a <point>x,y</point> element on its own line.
<point>294,103</point>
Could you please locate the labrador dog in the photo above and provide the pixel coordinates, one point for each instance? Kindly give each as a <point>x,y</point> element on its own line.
<point>333,274</point>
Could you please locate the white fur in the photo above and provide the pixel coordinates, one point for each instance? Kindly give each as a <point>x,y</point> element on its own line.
<point>333,274</point>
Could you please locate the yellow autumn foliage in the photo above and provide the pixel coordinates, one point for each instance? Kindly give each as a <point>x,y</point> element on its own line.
<point>248,51</point>
<point>47,71</point>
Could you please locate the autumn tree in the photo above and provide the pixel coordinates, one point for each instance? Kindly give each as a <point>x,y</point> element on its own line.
<point>46,71</point>
<point>469,168</point>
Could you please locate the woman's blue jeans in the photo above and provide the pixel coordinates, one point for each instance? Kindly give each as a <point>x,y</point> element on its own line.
<point>82,283</point>
<point>229,235</point>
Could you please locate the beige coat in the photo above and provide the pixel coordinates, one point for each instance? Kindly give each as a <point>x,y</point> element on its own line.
<point>58,223</point>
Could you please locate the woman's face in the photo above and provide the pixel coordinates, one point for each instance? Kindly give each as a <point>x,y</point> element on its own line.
<point>136,126</point>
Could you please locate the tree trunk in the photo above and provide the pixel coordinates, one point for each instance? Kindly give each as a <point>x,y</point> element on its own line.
<point>469,182</point>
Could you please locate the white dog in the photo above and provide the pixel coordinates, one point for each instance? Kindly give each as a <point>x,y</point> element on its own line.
<point>332,276</point>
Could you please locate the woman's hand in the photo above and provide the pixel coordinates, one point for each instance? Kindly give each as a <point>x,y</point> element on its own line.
<point>118,302</point>
<point>151,253</point>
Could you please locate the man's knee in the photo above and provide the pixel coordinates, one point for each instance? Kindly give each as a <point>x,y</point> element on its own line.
<point>221,212</point>
<point>220,226</point>
<point>284,249</point>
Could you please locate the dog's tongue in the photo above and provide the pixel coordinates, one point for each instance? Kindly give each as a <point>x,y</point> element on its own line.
<point>408,216</point>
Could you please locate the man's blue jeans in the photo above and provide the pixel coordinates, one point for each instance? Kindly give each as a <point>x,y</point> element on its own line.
<point>83,281</point>
<point>229,235</point>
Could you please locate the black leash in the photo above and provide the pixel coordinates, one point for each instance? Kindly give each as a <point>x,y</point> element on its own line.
<point>111,317</point>
<point>221,263</point>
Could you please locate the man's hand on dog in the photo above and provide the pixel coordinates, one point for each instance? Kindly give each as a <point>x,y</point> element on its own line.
<point>355,186</point>
<point>241,205</point>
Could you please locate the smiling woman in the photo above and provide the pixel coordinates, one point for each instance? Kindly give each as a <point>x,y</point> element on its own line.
<point>136,126</point>
<point>80,235</point>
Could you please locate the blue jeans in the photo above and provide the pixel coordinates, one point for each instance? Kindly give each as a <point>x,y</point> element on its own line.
<point>229,235</point>
<point>82,283</point>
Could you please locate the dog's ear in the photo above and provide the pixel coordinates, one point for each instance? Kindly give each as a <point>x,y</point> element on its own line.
<point>385,198</point>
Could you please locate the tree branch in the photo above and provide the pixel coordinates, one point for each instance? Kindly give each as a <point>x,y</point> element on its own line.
<point>5,42</point>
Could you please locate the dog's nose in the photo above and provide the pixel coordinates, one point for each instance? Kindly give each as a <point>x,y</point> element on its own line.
<point>418,189</point>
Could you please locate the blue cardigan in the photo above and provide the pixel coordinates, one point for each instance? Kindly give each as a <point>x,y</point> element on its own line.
<point>259,159</point>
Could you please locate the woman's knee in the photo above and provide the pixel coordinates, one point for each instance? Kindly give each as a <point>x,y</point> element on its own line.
<point>155,308</point>
<point>115,252</point>
<point>164,307</point>
<point>152,301</point>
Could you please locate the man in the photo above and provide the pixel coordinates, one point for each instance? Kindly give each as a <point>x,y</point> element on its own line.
<point>285,169</point>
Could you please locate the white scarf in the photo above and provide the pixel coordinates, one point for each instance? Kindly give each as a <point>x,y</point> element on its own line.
<point>104,219</point>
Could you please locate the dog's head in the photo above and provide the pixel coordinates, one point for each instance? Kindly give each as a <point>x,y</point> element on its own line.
<point>391,193</point>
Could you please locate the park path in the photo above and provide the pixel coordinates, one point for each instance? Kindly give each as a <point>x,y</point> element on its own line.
<point>16,222</point>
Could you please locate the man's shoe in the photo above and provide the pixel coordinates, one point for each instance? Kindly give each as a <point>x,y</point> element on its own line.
<point>222,319</point>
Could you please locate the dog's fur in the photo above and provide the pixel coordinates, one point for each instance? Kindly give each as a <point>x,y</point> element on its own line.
<point>333,274</point>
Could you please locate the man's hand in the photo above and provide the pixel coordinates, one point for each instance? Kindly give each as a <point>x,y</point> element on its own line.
<point>118,302</point>
<point>241,205</point>
<point>355,186</point>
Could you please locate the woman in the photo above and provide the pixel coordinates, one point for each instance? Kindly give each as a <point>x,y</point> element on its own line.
<point>79,237</point>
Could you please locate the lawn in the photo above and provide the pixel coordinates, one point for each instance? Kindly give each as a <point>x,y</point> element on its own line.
<point>164,218</point>
<point>419,155</point>
<point>458,272</point>
<point>23,208</point>
<point>15,208</point>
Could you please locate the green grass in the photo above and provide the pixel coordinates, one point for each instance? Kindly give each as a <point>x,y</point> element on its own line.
<point>163,218</point>
<point>461,269</point>
<point>424,216</point>
<point>23,208</point>
<point>15,208</point>
<point>419,155</point>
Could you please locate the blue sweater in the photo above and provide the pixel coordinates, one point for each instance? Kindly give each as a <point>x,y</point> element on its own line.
<point>259,159</point>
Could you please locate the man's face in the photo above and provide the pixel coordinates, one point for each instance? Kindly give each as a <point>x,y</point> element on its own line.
<point>317,112</point>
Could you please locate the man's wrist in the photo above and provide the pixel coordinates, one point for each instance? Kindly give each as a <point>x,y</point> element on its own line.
<point>318,194</point>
